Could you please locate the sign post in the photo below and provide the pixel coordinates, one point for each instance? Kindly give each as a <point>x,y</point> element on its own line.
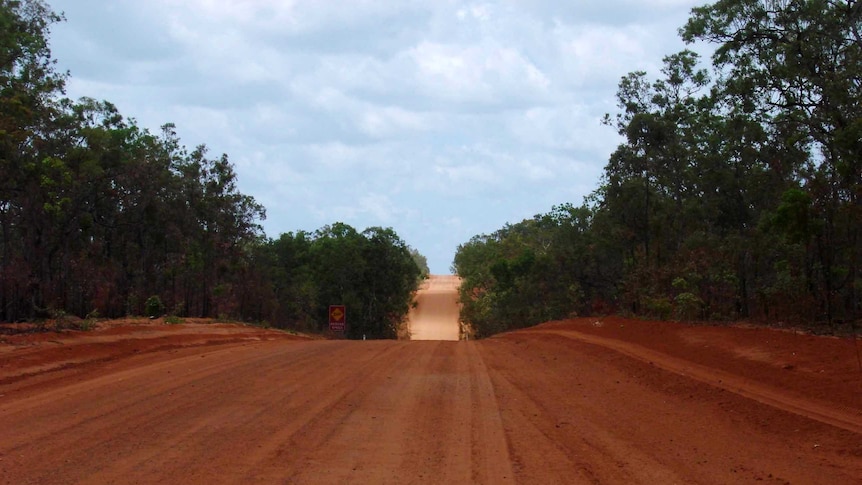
<point>337,318</point>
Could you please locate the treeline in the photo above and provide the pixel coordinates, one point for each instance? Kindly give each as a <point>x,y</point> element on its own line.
<point>736,194</point>
<point>100,216</point>
<point>373,273</point>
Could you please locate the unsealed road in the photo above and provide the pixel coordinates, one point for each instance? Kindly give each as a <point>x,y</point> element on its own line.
<point>435,313</point>
<point>542,406</point>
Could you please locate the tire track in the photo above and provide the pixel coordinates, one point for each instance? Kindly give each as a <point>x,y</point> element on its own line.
<point>805,407</point>
<point>529,407</point>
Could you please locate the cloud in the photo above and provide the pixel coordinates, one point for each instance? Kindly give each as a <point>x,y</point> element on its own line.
<point>486,74</point>
<point>440,119</point>
<point>378,209</point>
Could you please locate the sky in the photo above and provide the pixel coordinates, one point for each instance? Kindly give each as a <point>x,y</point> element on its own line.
<point>442,119</point>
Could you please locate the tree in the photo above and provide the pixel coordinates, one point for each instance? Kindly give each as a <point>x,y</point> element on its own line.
<point>28,85</point>
<point>798,65</point>
<point>539,269</point>
<point>731,198</point>
<point>98,214</point>
<point>390,280</point>
<point>421,262</point>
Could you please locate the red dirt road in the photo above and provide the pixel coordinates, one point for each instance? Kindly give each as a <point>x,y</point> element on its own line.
<point>435,314</point>
<point>583,401</point>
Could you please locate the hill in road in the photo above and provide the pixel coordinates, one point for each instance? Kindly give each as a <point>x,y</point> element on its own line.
<point>435,316</point>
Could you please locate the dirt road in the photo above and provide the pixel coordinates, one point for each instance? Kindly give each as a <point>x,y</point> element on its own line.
<point>584,401</point>
<point>435,316</point>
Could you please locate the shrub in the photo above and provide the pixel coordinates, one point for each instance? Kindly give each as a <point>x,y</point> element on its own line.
<point>61,319</point>
<point>154,307</point>
<point>89,321</point>
<point>179,309</point>
<point>688,306</point>
<point>659,308</point>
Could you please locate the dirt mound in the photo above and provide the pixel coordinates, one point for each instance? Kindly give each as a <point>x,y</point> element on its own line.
<point>26,352</point>
<point>809,366</point>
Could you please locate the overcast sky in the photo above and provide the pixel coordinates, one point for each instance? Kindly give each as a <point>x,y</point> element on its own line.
<point>442,119</point>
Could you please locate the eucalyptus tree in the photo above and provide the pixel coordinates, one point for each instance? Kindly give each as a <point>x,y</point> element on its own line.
<point>797,65</point>
<point>652,181</point>
<point>539,269</point>
<point>29,84</point>
<point>221,221</point>
<point>421,262</point>
<point>391,278</point>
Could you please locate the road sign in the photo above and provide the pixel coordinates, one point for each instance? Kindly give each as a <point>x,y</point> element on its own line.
<point>337,318</point>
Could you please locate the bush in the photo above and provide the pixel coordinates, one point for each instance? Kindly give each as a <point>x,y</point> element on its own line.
<point>89,321</point>
<point>61,319</point>
<point>154,307</point>
<point>262,324</point>
<point>659,308</point>
<point>688,306</point>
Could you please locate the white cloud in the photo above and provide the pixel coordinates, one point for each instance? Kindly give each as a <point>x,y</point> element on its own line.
<point>387,121</point>
<point>485,73</point>
<point>598,54</point>
<point>440,119</point>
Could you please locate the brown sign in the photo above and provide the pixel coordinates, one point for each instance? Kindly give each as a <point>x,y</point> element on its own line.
<point>337,318</point>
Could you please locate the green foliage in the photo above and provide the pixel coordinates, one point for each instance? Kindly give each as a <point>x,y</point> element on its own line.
<point>154,307</point>
<point>793,216</point>
<point>173,320</point>
<point>540,269</point>
<point>373,273</point>
<point>730,197</point>
<point>658,307</point>
<point>89,321</point>
<point>96,212</point>
<point>795,67</point>
<point>61,319</point>
<point>421,262</point>
<point>687,306</point>
<point>178,308</point>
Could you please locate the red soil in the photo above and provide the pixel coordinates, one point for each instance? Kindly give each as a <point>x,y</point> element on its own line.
<point>583,401</point>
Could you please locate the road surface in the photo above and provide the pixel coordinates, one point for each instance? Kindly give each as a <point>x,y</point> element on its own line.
<point>435,316</point>
<point>585,401</point>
